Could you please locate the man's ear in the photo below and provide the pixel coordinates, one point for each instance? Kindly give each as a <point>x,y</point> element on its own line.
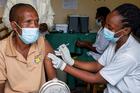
<point>13,25</point>
<point>127,30</point>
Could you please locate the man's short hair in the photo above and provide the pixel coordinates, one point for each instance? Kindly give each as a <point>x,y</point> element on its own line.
<point>13,15</point>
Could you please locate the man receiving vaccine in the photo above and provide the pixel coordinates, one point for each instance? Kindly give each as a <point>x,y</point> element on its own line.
<point>23,59</point>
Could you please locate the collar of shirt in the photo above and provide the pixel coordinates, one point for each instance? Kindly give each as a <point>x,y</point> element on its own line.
<point>11,51</point>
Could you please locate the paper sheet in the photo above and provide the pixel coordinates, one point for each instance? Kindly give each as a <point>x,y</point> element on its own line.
<point>70,4</point>
<point>2,3</point>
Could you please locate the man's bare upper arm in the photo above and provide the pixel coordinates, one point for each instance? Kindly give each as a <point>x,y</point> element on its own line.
<point>2,86</point>
<point>51,73</point>
<point>49,48</point>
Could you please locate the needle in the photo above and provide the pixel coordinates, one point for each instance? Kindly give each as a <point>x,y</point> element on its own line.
<point>58,53</point>
<point>67,44</point>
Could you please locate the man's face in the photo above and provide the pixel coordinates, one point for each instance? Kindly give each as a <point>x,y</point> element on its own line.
<point>27,18</point>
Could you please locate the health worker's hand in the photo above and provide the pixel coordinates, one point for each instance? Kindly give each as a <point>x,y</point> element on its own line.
<point>57,62</point>
<point>65,54</point>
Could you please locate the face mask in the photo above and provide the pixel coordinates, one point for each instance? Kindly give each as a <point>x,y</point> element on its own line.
<point>98,22</point>
<point>29,35</point>
<point>110,36</point>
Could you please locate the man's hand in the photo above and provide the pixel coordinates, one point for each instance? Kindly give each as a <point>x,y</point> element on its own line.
<point>57,62</point>
<point>65,54</point>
